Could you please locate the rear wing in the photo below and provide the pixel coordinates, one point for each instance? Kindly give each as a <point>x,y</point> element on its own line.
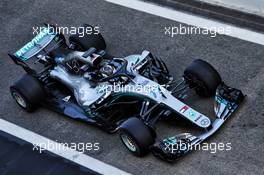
<point>33,47</point>
<point>42,43</point>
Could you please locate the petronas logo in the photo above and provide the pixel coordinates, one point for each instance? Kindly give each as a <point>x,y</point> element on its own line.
<point>191,114</point>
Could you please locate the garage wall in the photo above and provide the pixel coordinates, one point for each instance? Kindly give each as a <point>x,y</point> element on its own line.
<point>249,6</point>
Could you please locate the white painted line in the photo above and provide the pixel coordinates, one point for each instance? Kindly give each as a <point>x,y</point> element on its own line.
<point>69,154</point>
<point>189,19</point>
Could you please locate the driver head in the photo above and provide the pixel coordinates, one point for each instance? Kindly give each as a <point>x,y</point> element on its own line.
<point>107,70</point>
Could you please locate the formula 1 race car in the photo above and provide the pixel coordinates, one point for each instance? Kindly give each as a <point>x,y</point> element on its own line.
<point>130,95</point>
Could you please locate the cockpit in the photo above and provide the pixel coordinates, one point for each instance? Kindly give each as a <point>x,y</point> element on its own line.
<point>95,67</point>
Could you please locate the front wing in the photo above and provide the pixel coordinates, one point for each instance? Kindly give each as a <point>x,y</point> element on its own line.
<point>227,100</point>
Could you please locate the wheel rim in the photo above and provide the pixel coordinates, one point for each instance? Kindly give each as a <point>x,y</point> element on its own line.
<point>19,99</point>
<point>128,141</point>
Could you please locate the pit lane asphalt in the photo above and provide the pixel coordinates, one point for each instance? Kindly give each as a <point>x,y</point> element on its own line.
<point>127,31</point>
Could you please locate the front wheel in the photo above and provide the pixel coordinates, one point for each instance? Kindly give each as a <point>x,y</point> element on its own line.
<point>136,136</point>
<point>203,77</point>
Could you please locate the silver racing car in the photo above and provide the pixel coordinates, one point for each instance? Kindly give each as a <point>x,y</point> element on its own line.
<point>128,95</point>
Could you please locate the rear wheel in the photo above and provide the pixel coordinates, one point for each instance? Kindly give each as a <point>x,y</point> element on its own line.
<point>83,42</point>
<point>203,77</point>
<point>136,136</point>
<point>28,92</point>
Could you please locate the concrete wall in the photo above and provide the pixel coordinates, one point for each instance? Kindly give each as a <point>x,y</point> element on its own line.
<point>249,6</point>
